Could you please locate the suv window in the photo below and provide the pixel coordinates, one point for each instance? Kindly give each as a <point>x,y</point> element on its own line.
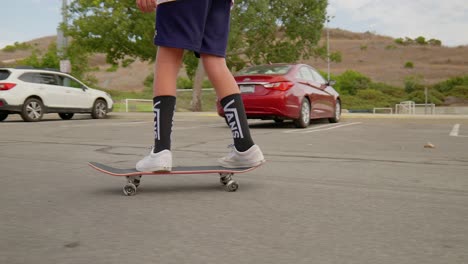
<point>43,78</point>
<point>29,77</point>
<point>46,78</point>
<point>69,82</point>
<point>4,74</point>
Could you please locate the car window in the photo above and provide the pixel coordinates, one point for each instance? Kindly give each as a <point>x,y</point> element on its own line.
<point>306,74</point>
<point>4,74</point>
<point>69,82</point>
<point>266,69</point>
<point>30,77</point>
<point>318,78</point>
<point>46,78</point>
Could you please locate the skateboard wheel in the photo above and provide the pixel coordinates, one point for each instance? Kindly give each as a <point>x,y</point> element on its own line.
<point>231,186</point>
<point>225,178</point>
<point>130,189</point>
<point>135,180</point>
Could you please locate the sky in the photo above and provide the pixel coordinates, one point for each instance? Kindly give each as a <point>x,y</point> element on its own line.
<point>24,20</point>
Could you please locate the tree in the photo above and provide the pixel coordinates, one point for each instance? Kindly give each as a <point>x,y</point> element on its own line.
<point>114,27</point>
<point>261,31</point>
<point>275,30</point>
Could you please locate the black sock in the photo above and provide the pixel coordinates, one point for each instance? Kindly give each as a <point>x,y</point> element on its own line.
<point>235,116</point>
<point>163,108</point>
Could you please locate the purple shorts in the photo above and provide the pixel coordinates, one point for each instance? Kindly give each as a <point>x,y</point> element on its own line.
<point>201,26</point>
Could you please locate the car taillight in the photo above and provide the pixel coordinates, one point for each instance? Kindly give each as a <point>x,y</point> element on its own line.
<point>281,86</point>
<point>6,86</point>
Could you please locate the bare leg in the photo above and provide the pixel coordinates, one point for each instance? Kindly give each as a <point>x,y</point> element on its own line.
<point>219,75</point>
<point>167,66</point>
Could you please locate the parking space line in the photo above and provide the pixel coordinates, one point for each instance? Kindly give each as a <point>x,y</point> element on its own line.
<point>106,124</point>
<point>302,130</point>
<point>455,130</point>
<point>330,128</point>
<point>320,128</point>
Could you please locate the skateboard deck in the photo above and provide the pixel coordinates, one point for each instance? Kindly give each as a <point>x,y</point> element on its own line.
<point>133,176</point>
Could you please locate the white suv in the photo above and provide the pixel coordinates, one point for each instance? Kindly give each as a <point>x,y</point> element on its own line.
<point>32,92</point>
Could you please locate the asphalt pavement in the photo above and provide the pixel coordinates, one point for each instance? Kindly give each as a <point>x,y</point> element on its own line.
<point>371,189</point>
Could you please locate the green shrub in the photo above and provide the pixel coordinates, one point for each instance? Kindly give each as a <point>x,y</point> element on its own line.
<point>336,56</point>
<point>400,41</point>
<point>447,86</point>
<point>351,81</point>
<point>17,46</point>
<point>420,40</point>
<point>207,84</point>
<point>434,42</point>
<point>363,47</point>
<point>434,97</point>
<point>112,68</point>
<point>413,83</point>
<point>184,83</point>
<point>460,91</point>
<point>409,65</point>
<point>49,60</point>
<point>397,94</point>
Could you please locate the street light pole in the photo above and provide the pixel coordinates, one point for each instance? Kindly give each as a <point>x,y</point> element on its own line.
<point>328,45</point>
<point>62,40</point>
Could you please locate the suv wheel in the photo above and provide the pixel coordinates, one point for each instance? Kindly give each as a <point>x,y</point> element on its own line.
<point>99,110</point>
<point>66,116</point>
<point>33,110</point>
<point>3,116</point>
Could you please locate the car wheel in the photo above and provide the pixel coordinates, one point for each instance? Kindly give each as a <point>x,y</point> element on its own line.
<point>304,115</point>
<point>66,116</point>
<point>33,110</point>
<point>3,116</point>
<point>99,109</point>
<point>337,115</point>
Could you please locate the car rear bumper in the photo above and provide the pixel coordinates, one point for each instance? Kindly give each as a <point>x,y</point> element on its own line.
<point>4,106</point>
<point>269,106</point>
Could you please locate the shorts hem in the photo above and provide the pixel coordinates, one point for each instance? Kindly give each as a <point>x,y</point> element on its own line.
<point>215,53</point>
<point>178,45</point>
<point>191,48</point>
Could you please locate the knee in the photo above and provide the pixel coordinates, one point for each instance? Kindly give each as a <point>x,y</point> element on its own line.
<point>213,63</point>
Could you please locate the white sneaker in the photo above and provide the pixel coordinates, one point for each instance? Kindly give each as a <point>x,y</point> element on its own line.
<point>249,158</point>
<point>161,161</point>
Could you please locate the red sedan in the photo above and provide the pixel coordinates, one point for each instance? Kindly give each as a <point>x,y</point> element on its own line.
<point>287,92</point>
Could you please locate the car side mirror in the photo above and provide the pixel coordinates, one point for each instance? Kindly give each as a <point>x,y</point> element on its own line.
<point>331,82</point>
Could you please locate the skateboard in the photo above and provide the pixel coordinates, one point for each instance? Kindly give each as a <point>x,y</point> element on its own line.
<point>133,176</point>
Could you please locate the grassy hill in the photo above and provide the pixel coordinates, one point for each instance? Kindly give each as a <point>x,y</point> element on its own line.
<point>378,57</point>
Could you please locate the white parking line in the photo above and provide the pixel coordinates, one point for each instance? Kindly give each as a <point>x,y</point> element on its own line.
<point>320,128</point>
<point>455,130</point>
<point>302,130</point>
<point>330,128</point>
<point>106,124</point>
